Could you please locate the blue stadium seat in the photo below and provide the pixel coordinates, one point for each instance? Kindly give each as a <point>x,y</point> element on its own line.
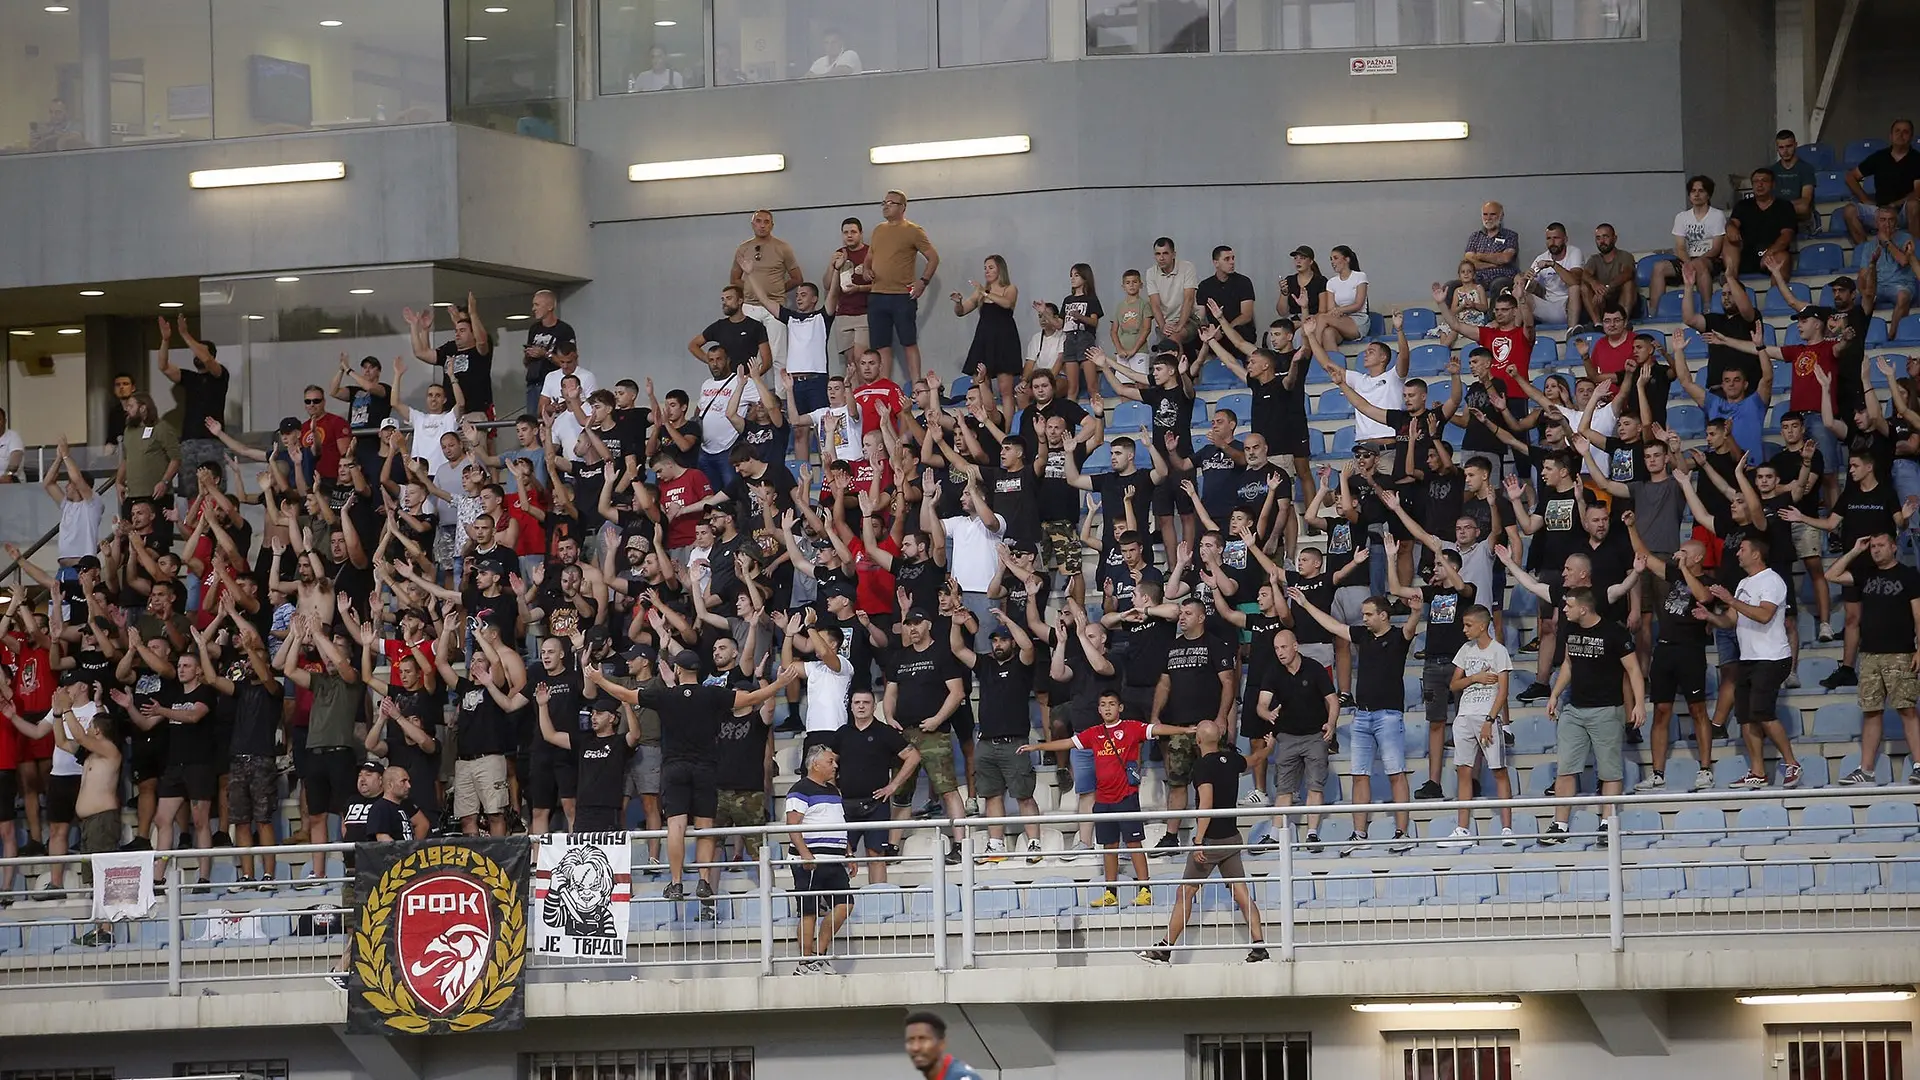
<point>1142,454</point>
<point>1908,332</point>
<point>1654,882</point>
<point>1776,302</point>
<point>1469,883</point>
<point>1847,879</point>
<point>1830,187</point>
<point>1717,882</point>
<point>1240,403</point>
<point>957,389</point>
<point>1877,332</point>
<point>1428,360</point>
<point>1698,826</point>
<point>1098,463</point>
<point>1583,885</point>
<point>1813,771</point>
<point>1405,888</point>
<point>1769,818</point>
<point>1418,322</point>
<point>1824,822</point>
<point>1129,417</point>
<point>1887,823</point>
<point>1526,886</point>
<point>1728,768</point>
<point>1856,151</point>
<point>1669,309</point>
<point>1216,376</point>
<point>878,903</point>
<point>1333,405</point>
<point>1905,878</point>
<point>1688,421</point>
<point>1533,735</point>
<point>1341,890</point>
<point>1546,353</point>
<point>1342,443</point>
<point>1819,155</point>
<point>1778,877</point>
<point>1643,269</point>
<point>1681,771</point>
<point>1051,896</point>
<point>1641,828</point>
<point>1539,779</point>
<point>1821,258</point>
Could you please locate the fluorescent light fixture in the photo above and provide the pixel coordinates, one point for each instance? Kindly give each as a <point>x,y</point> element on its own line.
<point>57,9</point>
<point>21,333</point>
<point>518,318</point>
<point>70,331</point>
<point>329,22</point>
<point>665,22</point>
<point>1827,997</point>
<point>286,279</point>
<point>1483,1005</point>
<point>693,167</point>
<point>443,303</point>
<point>92,292</point>
<point>298,173</point>
<point>256,318</point>
<point>360,292</point>
<point>170,304</point>
<point>496,11</point>
<point>956,148</point>
<point>329,329</point>
<point>1426,131</point>
<point>475,37</point>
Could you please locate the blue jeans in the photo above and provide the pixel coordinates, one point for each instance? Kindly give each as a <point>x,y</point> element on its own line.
<point>1382,731</point>
<point>718,468</point>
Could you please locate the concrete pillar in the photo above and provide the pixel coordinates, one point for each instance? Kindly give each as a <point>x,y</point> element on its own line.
<point>96,74</point>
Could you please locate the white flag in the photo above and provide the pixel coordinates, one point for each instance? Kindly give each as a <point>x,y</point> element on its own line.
<point>122,885</point>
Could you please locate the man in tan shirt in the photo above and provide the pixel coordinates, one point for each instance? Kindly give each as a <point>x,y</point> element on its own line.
<point>892,258</point>
<point>777,271</point>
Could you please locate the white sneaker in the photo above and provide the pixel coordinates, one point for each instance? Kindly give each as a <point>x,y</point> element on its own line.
<point>1460,837</point>
<point>1073,853</point>
<point>1034,851</point>
<point>1256,797</point>
<point>1703,780</point>
<point>996,851</point>
<point>1507,838</point>
<point>1826,632</point>
<point>1653,781</point>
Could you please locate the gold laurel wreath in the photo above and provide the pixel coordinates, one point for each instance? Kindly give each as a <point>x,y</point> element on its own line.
<point>381,989</point>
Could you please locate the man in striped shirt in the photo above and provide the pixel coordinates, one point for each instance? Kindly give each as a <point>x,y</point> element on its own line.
<point>820,845</point>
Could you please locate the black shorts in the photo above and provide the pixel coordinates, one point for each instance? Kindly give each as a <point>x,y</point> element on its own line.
<point>822,888</point>
<point>199,782</point>
<point>1252,724</point>
<point>595,819</point>
<point>1756,693</point>
<point>1678,671</point>
<point>149,760</point>
<point>1112,832</point>
<point>329,780</point>
<point>1436,691</point>
<point>865,811</point>
<point>689,789</point>
<point>9,795</point>
<point>1169,499</point>
<point>1291,442</point>
<point>62,792</point>
<point>553,777</point>
<point>1849,594</point>
<point>961,723</point>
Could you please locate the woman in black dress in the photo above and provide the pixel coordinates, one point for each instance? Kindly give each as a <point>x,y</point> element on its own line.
<point>995,353</point>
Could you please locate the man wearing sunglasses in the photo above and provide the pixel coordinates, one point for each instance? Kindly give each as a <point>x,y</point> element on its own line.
<point>324,433</point>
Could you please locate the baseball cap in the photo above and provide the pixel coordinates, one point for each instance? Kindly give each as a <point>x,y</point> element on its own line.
<point>1303,251</point>
<point>373,764</point>
<point>288,425</point>
<point>915,616</point>
<point>389,424</point>
<point>1365,448</point>
<point>642,651</point>
<point>1023,547</point>
<point>688,659</point>
<point>1001,631</point>
<point>605,705</point>
<point>88,562</point>
<point>1814,311</point>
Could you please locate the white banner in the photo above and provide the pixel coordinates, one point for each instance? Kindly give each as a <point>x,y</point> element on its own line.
<point>583,895</point>
<point>122,885</point>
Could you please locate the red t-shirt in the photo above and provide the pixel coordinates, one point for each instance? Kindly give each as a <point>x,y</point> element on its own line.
<point>870,477</point>
<point>1611,359</point>
<point>689,488</point>
<point>397,650</point>
<point>873,587</point>
<point>1512,353</point>
<point>870,396</point>
<point>1805,395</point>
<point>323,437</point>
<point>1113,745</point>
<point>32,677</point>
<point>532,539</point>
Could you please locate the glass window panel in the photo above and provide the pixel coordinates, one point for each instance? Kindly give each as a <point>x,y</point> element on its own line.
<point>1577,20</point>
<point>277,69</point>
<point>774,40</point>
<point>650,45</point>
<point>1272,25</point>
<point>1119,27</point>
<point>512,65</point>
<point>992,31</point>
<point>106,74</point>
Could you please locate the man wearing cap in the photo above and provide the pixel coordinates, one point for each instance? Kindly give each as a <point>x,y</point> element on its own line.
<point>600,758</point>
<point>924,690</point>
<point>368,403</point>
<point>1005,673</point>
<point>1815,352</point>
<point>690,717</point>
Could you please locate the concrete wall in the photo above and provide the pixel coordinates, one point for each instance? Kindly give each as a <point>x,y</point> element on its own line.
<point>1727,82</point>
<point>1125,150</point>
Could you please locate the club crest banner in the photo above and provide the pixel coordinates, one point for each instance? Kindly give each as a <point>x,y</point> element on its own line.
<point>440,942</point>
<point>583,891</point>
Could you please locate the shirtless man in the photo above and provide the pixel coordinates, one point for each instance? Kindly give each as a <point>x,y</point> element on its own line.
<point>98,804</point>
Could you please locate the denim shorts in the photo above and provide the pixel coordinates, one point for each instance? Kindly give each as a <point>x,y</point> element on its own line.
<point>1083,775</point>
<point>1727,644</point>
<point>1377,730</point>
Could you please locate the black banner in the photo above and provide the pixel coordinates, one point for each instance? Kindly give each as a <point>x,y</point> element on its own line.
<point>440,943</point>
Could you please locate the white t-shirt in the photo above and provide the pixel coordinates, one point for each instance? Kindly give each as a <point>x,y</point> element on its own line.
<point>717,433</point>
<point>655,80</point>
<point>975,558</point>
<point>1550,278</point>
<point>551,388</point>
<point>10,442</point>
<point>567,429</point>
<point>825,706</point>
<point>1699,232</point>
<point>79,527</point>
<point>1043,349</point>
<point>1386,390</point>
<point>1343,290</point>
<point>65,764</point>
<point>1476,569</point>
<point>838,430</point>
<point>847,59</point>
<point>1477,700</point>
<point>1171,288</point>
<point>1763,640</point>
<point>806,341</point>
<point>427,429</point>
<point>1604,422</point>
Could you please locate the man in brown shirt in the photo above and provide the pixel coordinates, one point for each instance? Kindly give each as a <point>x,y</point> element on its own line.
<point>777,270</point>
<point>847,282</point>
<point>892,257</point>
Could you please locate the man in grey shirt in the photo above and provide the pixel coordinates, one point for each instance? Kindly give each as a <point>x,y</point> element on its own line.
<point>1657,505</point>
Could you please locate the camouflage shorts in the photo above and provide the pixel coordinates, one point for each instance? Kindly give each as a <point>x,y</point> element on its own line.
<point>1059,548</point>
<point>740,809</point>
<point>1180,752</point>
<point>936,757</point>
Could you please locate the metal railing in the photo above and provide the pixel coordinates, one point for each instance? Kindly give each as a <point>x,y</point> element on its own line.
<point>1723,877</point>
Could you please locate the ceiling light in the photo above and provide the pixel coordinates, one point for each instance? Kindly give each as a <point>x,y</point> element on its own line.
<point>21,333</point>
<point>665,22</point>
<point>956,148</point>
<point>286,279</point>
<point>256,318</point>
<point>57,9</point>
<point>443,303</point>
<point>517,318</point>
<point>301,172</point>
<point>1374,133</point>
<point>361,292</point>
<point>329,22</point>
<point>496,11</point>
<point>693,167</point>
<point>172,304</point>
<point>1483,1005</point>
<point>475,37</point>
<point>329,329</point>
<point>70,331</point>
<point>92,292</point>
<point>1827,997</point>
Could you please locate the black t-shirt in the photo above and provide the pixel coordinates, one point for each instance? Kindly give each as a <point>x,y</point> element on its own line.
<point>550,338</point>
<point>202,396</point>
<point>256,712</point>
<point>1059,500</point>
<point>602,765</point>
<point>366,410</point>
<point>1251,491</point>
<point>1612,561</point>
<point>353,823</point>
<point>923,579</point>
<point>1886,606</point>
<point>690,719</point>
<point>1221,771</point>
<point>1145,644</point>
<point>1261,630</point>
<point>869,757</point>
<point>1560,532</point>
<point>1677,624</point>
<point>921,676</point>
<point>389,819</point>
<point>1313,290</point>
<point>1847,354</point>
<point>1595,653</point>
<point>1445,633</point>
<point>1892,180</point>
<point>1319,592</point>
<point>1479,438</point>
<point>1789,464</point>
<point>501,612</point>
<point>1733,327</point>
<point>1299,696</point>
<point>1172,412</point>
<point>188,744</point>
<point>1863,513</point>
<point>1439,499</point>
<point>740,340</point>
<point>473,369</point>
<point>1015,497</point>
<point>769,442</point>
<point>1006,688</point>
<point>741,746</point>
<point>1033,421</point>
<point>480,726</point>
<point>1193,668</point>
<point>1218,478</point>
<point>1228,294</point>
<point>1115,491</point>
<point>563,706</point>
<point>1379,668</point>
<point>426,708</point>
<point>1759,228</point>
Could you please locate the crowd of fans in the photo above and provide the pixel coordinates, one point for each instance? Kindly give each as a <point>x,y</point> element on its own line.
<point>601,613</point>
